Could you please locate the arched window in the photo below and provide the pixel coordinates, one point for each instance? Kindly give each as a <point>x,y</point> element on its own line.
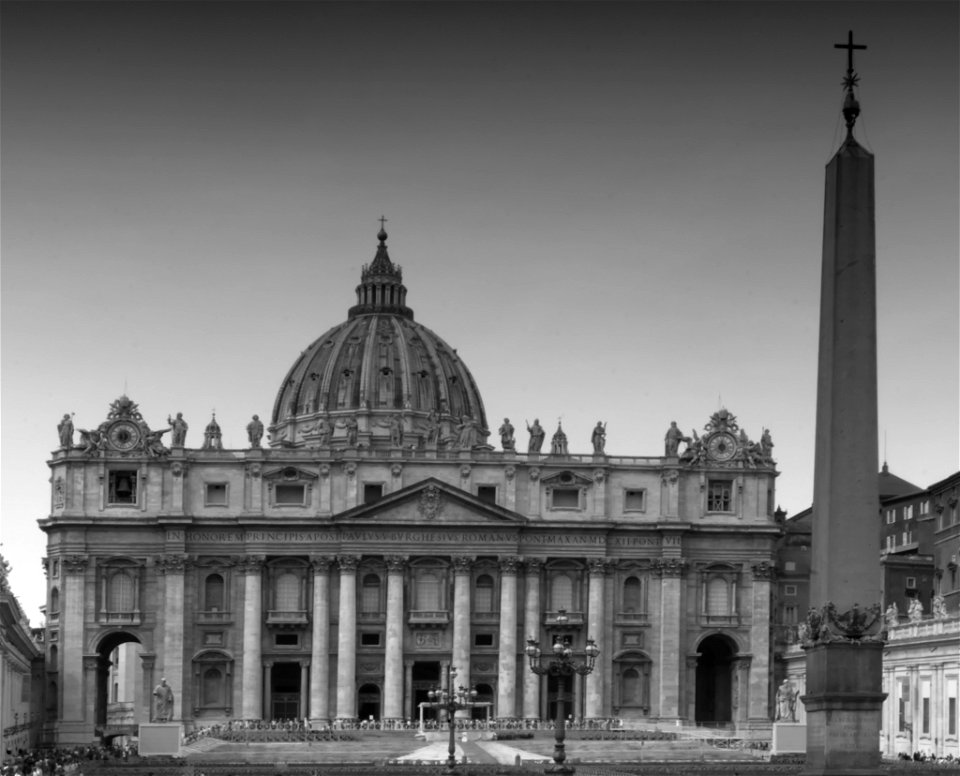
<point>53,666</point>
<point>483,594</point>
<point>287,589</point>
<point>120,593</point>
<point>718,596</point>
<point>632,595</point>
<point>561,593</point>
<point>212,692</point>
<point>370,594</point>
<point>54,601</point>
<point>428,592</point>
<point>213,593</point>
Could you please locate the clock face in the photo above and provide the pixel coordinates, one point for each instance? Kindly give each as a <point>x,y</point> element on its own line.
<point>722,446</point>
<point>124,435</point>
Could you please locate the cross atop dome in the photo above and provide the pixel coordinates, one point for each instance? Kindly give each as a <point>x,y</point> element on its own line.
<point>851,107</point>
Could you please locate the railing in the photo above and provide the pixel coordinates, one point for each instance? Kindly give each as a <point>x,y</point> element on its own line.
<point>371,616</point>
<point>719,619</point>
<point>486,616</point>
<point>214,616</point>
<point>632,618</point>
<point>924,628</point>
<point>425,617</point>
<point>572,618</point>
<point>120,618</point>
<point>287,617</point>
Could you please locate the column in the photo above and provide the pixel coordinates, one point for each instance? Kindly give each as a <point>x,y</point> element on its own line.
<point>531,624</point>
<point>347,639</point>
<point>304,687</point>
<point>393,655</point>
<point>760,643</point>
<point>408,689</point>
<point>74,706</point>
<point>593,684</point>
<point>172,568</point>
<point>251,703</point>
<point>743,691</point>
<point>320,642</point>
<point>670,571</point>
<point>507,672</point>
<point>462,565</point>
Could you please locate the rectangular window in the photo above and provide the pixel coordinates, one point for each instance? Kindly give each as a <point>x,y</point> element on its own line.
<point>483,639</point>
<point>372,492</point>
<point>216,495</point>
<point>925,507</point>
<point>720,496</point>
<point>925,706</point>
<point>903,705</point>
<point>565,498</point>
<point>891,516</point>
<point>790,590</point>
<point>487,493</point>
<point>908,512</point>
<point>290,495</point>
<point>911,583</point>
<point>634,501</point>
<point>790,565</point>
<point>286,639</point>
<point>951,705</point>
<point>789,615</point>
<point>370,639</point>
<point>122,487</point>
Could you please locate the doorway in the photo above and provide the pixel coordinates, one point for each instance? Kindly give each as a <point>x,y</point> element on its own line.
<point>715,664</point>
<point>426,677</point>
<point>285,691</point>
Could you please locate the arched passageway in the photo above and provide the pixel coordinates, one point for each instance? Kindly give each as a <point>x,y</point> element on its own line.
<point>715,666</point>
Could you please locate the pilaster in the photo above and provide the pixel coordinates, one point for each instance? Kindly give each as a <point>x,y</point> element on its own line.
<point>251,703</point>
<point>393,655</point>
<point>507,672</point>
<point>347,638</point>
<point>595,618</point>
<point>531,624</point>
<point>320,641</point>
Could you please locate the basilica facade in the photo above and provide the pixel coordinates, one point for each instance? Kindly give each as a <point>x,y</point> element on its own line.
<point>372,536</point>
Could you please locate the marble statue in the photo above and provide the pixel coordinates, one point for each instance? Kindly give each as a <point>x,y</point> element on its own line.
<point>396,431</point>
<point>939,606</point>
<point>506,435</point>
<point>915,610</point>
<point>786,702</point>
<point>892,615</point>
<point>599,437</point>
<point>672,440</point>
<point>179,428</point>
<point>255,431</point>
<point>352,431</point>
<point>163,705</point>
<point>65,427</point>
<point>537,435</point>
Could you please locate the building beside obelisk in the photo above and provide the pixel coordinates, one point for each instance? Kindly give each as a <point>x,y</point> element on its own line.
<point>843,632</point>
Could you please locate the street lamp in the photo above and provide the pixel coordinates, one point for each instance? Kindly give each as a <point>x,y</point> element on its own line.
<point>452,701</point>
<point>561,665</point>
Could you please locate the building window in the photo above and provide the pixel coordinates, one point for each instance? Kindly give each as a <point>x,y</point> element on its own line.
<point>908,512</point>
<point>718,596</point>
<point>925,507</point>
<point>291,495</point>
<point>565,498</point>
<point>634,500</point>
<point>483,594</point>
<point>370,639</point>
<point>720,496</point>
<point>483,640</point>
<point>911,583</point>
<point>891,516</point>
<point>632,595</point>
<point>487,493</point>
<point>428,593</point>
<point>122,487</point>
<point>287,640</point>
<point>287,592</point>
<point>370,594</point>
<point>561,593</point>
<point>54,603</point>
<point>925,706</point>
<point>790,615</point>
<point>216,494</point>
<point>952,706</point>
<point>372,492</point>
<point>790,590</point>
<point>213,593</point>
<point>212,687</point>
<point>120,590</point>
<point>790,565</point>
<point>903,705</point>
<point>55,568</point>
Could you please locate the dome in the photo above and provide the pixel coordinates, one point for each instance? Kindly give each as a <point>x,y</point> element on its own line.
<point>379,379</point>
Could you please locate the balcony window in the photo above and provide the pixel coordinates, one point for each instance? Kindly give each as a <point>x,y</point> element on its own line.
<point>122,487</point>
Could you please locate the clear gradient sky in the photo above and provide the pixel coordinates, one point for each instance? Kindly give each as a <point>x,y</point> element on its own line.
<point>612,210</point>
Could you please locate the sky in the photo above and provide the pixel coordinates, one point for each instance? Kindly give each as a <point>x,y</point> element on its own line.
<point>613,211</point>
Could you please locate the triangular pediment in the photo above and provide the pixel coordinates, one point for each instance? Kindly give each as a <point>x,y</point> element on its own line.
<point>431,502</point>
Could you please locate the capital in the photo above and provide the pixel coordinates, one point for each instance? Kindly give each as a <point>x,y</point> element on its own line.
<point>348,563</point>
<point>462,564</point>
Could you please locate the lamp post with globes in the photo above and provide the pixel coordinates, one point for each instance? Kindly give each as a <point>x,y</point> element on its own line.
<point>452,701</point>
<point>561,666</point>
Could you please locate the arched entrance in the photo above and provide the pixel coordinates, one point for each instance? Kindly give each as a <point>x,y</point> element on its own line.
<point>485,696</point>
<point>368,706</point>
<point>715,666</point>
<point>119,706</point>
<point>426,677</point>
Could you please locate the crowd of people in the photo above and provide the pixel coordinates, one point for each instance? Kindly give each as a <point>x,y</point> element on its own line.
<point>60,762</point>
<point>926,757</point>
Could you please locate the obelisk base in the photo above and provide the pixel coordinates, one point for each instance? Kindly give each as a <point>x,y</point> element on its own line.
<point>843,704</point>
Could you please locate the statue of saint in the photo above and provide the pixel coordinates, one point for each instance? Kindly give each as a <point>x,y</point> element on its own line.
<point>255,431</point>
<point>892,615</point>
<point>396,430</point>
<point>163,705</point>
<point>672,440</point>
<point>506,435</point>
<point>915,610</point>
<point>599,437</point>
<point>766,446</point>
<point>537,435</point>
<point>324,430</point>
<point>65,427</point>
<point>179,428</point>
<point>466,433</point>
<point>786,702</point>
<point>939,606</point>
<point>431,429</point>
<point>352,430</point>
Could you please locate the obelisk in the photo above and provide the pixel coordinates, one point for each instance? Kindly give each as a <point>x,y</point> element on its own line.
<point>843,635</point>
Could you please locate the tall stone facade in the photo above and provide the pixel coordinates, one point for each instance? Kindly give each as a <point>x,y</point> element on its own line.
<point>369,538</point>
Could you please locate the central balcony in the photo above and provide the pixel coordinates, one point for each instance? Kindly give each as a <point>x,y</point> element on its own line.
<point>425,618</point>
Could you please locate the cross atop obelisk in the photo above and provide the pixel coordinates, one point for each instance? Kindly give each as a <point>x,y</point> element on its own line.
<point>851,108</point>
